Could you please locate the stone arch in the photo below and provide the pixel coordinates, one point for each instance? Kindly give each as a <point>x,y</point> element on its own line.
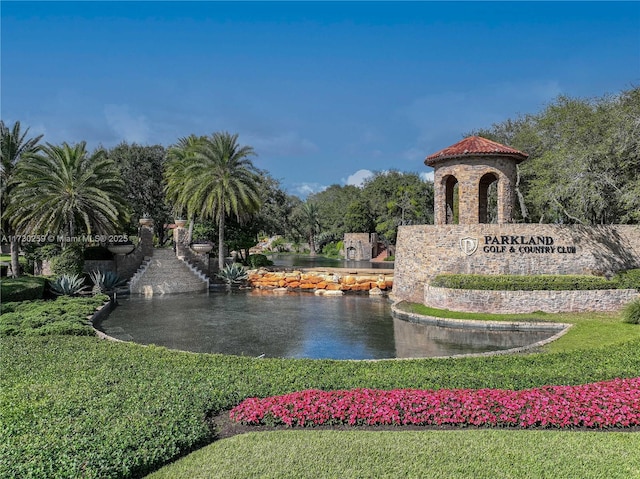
<point>452,199</point>
<point>485,210</point>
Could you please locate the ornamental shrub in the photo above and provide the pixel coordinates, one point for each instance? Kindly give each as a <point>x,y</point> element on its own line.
<point>70,261</point>
<point>631,312</point>
<point>523,283</point>
<point>629,279</point>
<point>258,261</point>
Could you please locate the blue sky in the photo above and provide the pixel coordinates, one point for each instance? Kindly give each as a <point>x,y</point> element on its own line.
<point>324,91</point>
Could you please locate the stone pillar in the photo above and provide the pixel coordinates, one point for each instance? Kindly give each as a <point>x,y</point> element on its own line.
<point>145,232</point>
<point>181,241</point>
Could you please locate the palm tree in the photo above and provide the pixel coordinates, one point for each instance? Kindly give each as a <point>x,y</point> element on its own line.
<point>14,146</point>
<point>63,189</point>
<point>213,177</point>
<point>311,223</point>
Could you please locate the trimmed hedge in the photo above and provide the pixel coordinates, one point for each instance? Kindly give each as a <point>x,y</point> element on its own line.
<point>24,288</point>
<point>527,283</point>
<point>65,315</point>
<point>628,279</point>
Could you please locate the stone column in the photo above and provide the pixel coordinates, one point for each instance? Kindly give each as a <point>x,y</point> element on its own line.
<point>181,240</point>
<point>146,237</point>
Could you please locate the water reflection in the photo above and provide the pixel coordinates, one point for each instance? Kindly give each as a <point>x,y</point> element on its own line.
<point>293,325</point>
<point>306,261</point>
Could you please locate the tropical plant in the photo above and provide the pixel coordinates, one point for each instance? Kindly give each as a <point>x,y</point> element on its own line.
<point>233,274</point>
<point>308,223</point>
<point>213,177</point>
<point>631,312</point>
<point>68,285</point>
<point>105,281</point>
<point>14,145</point>
<point>64,190</point>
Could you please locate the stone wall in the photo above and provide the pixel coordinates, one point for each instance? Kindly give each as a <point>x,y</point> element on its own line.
<point>508,302</point>
<point>321,281</point>
<point>360,246</point>
<point>425,251</point>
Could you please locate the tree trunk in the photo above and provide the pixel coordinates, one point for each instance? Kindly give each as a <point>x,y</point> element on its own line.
<point>221,241</point>
<point>15,258</point>
<point>312,245</point>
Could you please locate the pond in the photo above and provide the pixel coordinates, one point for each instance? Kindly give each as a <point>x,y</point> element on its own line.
<point>293,325</point>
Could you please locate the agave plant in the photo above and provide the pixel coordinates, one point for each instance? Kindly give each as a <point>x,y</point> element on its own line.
<point>233,274</point>
<point>105,281</point>
<point>68,285</point>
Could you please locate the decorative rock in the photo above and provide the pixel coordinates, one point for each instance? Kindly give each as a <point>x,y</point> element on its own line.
<point>375,292</point>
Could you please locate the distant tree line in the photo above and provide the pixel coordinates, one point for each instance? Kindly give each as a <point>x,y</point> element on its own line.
<point>584,168</point>
<point>584,163</point>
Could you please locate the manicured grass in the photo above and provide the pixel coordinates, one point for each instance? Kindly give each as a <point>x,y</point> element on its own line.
<point>469,454</point>
<point>22,288</point>
<point>83,407</point>
<point>5,258</point>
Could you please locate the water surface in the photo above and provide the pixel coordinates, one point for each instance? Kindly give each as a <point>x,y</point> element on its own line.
<point>292,325</point>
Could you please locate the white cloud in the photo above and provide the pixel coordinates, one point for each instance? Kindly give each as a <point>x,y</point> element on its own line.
<point>427,176</point>
<point>126,125</point>
<point>306,189</point>
<point>358,178</point>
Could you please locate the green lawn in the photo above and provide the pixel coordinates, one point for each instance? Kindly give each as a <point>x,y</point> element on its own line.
<point>83,407</point>
<point>472,454</point>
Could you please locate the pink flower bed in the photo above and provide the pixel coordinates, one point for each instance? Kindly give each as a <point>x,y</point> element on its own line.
<point>605,404</point>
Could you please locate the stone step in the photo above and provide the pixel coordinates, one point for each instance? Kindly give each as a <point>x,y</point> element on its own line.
<point>168,274</point>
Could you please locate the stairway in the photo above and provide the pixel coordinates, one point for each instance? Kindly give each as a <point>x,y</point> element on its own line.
<point>164,273</point>
<point>383,254</point>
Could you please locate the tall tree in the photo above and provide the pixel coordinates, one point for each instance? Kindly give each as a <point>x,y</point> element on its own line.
<point>398,198</point>
<point>309,215</point>
<point>14,146</point>
<point>141,168</point>
<point>63,189</point>
<point>214,177</point>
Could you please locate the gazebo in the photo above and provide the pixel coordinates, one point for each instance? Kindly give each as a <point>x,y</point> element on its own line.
<point>473,164</point>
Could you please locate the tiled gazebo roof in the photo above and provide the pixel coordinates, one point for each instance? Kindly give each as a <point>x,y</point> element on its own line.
<point>475,146</point>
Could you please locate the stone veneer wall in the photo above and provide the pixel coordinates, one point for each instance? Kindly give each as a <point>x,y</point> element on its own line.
<point>509,302</point>
<point>425,251</point>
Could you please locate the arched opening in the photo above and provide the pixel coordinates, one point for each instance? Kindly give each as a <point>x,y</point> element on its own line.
<point>451,200</point>
<point>488,199</point>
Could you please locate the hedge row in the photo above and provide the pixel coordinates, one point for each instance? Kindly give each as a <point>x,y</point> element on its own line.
<point>65,315</point>
<point>627,280</point>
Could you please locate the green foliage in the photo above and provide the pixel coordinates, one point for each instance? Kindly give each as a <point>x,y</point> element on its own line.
<point>141,169</point>
<point>70,261</point>
<point>105,281</point>
<point>67,191</point>
<point>522,283</point>
<point>629,279</point>
<point>213,177</point>
<point>258,261</point>
<point>233,274</point>
<point>64,316</point>
<point>631,312</point>
<point>333,249</point>
<point>83,407</point>
<point>583,163</point>
<point>68,285</point>
<point>21,289</point>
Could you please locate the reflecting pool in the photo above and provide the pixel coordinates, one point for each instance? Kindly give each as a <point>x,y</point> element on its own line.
<point>293,325</point>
